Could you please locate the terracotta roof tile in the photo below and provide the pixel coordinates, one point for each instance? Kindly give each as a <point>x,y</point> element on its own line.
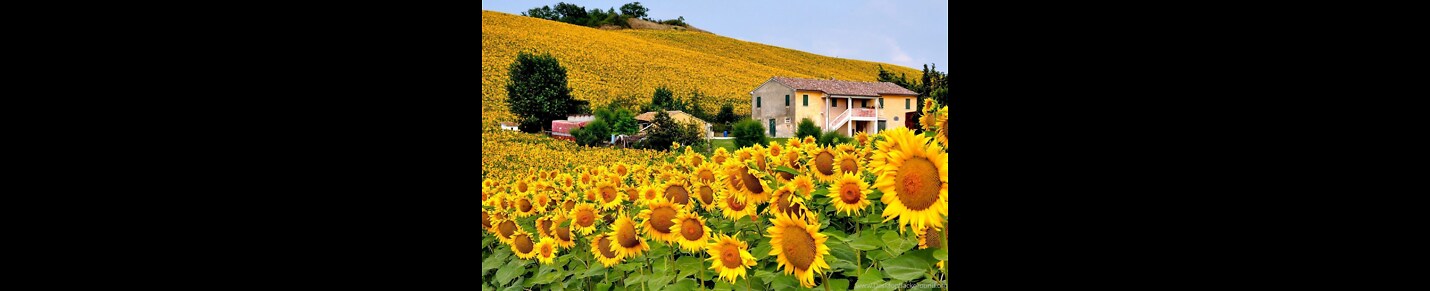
<point>840,87</point>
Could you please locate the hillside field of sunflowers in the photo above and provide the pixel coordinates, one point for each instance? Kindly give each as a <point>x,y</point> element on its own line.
<point>870,215</point>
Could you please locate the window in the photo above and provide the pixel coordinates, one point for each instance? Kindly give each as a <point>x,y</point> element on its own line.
<point>757,102</point>
<point>881,102</point>
<point>882,125</point>
<point>864,103</point>
<point>806,100</point>
<point>835,103</point>
<point>786,100</point>
<point>906,103</point>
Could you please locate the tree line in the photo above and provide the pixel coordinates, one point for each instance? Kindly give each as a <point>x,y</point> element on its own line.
<point>932,84</point>
<point>578,15</point>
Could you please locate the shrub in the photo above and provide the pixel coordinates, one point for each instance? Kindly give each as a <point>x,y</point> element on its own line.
<point>665,131</point>
<point>595,133</point>
<point>833,138</point>
<point>749,132</point>
<point>806,128</point>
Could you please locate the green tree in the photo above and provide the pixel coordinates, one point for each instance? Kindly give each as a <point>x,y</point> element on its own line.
<point>571,13</point>
<point>595,133</point>
<point>749,132</point>
<point>832,138</point>
<point>727,114</point>
<point>634,9</point>
<point>664,100</point>
<point>545,12</point>
<point>537,92</point>
<point>806,128</point>
<point>621,120</point>
<point>665,131</point>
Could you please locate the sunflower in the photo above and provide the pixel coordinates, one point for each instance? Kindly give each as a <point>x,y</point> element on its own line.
<point>486,221</point>
<point>676,191</point>
<point>584,218</point>
<point>584,179</point>
<point>563,234</point>
<point>821,164</point>
<point>782,176</point>
<point>785,202</point>
<point>915,184</point>
<point>798,247</point>
<point>803,185</point>
<point>522,186</point>
<point>703,193</point>
<point>720,155</point>
<point>601,248</point>
<point>496,200</point>
<point>523,245</point>
<point>633,193</point>
<point>861,137</point>
<point>891,141</point>
<point>649,194</point>
<point>565,182</point>
<point>846,163</point>
<point>621,169</point>
<point>692,159</point>
<point>750,185</point>
<point>775,149</point>
<point>808,141</point>
<point>733,206</point>
<point>541,201</point>
<point>658,219</point>
<point>705,173</point>
<point>543,226</point>
<point>729,257</point>
<point>567,205</point>
<point>609,196</point>
<point>546,251</point>
<point>694,235</point>
<point>849,194</point>
<point>628,242</point>
<point>524,207</point>
<point>942,124</point>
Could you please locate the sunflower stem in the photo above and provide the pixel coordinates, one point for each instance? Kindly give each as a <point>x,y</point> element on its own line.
<point>826,281</point>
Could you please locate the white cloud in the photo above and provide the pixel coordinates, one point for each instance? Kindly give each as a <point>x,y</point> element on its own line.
<point>897,55</point>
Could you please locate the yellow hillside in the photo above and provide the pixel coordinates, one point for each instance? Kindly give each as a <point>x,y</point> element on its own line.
<point>604,66</point>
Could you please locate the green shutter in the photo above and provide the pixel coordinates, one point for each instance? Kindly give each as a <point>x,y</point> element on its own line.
<point>881,102</point>
<point>757,102</point>
<point>786,100</point>
<point>906,103</point>
<point>833,102</point>
<point>806,100</point>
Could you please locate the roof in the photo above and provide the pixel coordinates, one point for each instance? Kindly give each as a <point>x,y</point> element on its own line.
<point>677,115</point>
<point>508,123</point>
<point>840,87</point>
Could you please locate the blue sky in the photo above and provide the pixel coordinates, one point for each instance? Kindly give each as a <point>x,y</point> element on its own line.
<point>908,33</point>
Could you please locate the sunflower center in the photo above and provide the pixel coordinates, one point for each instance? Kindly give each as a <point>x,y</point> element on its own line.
<point>523,243</point>
<point>735,204</point>
<point>847,165</point>
<point>707,195</point>
<point>798,247</point>
<point>678,194</point>
<point>546,250</point>
<point>786,176</point>
<point>486,221</point>
<point>627,236</point>
<point>585,218</point>
<point>824,162</point>
<point>695,161</point>
<point>604,244</point>
<point>751,183</point>
<point>608,194</point>
<point>705,175</point>
<point>524,205</point>
<point>730,256</point>
<point>543,225</point>
<point>661,219</point>
<point>521,187</point>
<point>734,182</point>
<point>506,228</point>
<point>691,229</point>
<point>564,233</point>
<point>568,205</point>
<point>849,194</point>
<point>933,238</point>
<point>782,202</point>
<point>631,194</point>
<point>918,183</point>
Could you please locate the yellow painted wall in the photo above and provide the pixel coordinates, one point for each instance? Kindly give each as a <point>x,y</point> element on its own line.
<point>894,106</point>
<point>813,111</point>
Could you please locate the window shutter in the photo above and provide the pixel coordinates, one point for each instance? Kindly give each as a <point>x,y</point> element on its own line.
<point>757,102</point>
<point>906,103</point>
<point>881,102</point>
<point>786,100</point>
<point>806,100</point>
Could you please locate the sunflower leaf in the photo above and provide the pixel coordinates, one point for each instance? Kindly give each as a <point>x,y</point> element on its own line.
<point>789,170</point>
<point>595,269</point>
<point>870,280</point>
<point>894,243</point>
<point>784,282</point>
<point>835,284</point>
<point>866,241</point>
<point>761,251</point>
<point>683,284</point>
<point>603,286</point>
<point>688,266</point>
<point>508,272</point>
<point>910,266</point>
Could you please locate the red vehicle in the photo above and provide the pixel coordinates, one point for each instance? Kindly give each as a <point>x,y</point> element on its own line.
<point>561,129</point>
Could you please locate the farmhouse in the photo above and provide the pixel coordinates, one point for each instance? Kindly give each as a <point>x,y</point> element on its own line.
<point>647,120</point>
<point>833,105</point>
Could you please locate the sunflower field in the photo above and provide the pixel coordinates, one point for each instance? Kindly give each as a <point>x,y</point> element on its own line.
<point>792,215</point>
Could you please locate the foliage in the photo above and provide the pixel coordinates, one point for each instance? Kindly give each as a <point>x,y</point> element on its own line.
<point>619,66</point>
<point>595,133</point>
<point>621,120</point>
<point>665,130</point>
<point>806,127</point>
<point>833,138</point>
<point>634,9</point>
<point>726,115</point>
<point>537,91</point>
<point>931,84</point>
<point>749,132</point>
<point>545,12</point>
<point>664,100</point>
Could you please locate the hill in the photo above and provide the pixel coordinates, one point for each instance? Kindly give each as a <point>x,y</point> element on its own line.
<point>605,66</point>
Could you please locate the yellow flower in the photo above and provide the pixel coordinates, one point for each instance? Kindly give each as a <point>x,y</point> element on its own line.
<point>942,123</point>
<point>720,155</point>
<point>803,185</point>
<point>915,184</point>
<point>658,219</point>
<point>734,206</point>
<point>628,243</point>
<point>649,194</point>
<point>693,234</point>
<point>546,251</point>
<point>704,193</point>
<point>584,218</point>
<point>785,202</point>
<point>729,257</point>
<point>849,194</point>
<point>846,163</point>
<point>705,173</point>
<point>609,197</point>
<point>541,201</point>
<point>505,229</point>
<point>524,207</point>
<point>821,164</point>
<point>601,247</point>
<point>563,234</point>
<point>891,140</point>
<point>798,247</point>
<point>543,226</point>
<point>677,192</point>
<point>523,245</point>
